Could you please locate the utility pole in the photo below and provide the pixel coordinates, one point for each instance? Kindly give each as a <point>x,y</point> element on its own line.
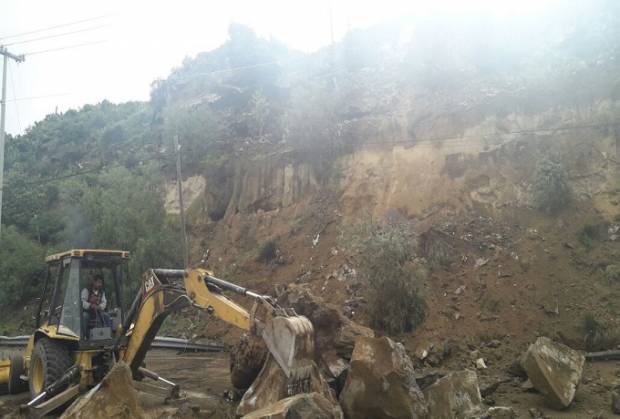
<point>181,206</point>
<point>332,47</point>
<point>18,59</point>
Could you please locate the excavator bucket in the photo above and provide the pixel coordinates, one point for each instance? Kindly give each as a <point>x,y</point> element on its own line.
<point>291,342</point>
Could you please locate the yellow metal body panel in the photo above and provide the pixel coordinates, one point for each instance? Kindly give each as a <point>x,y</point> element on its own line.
<point>36,375</point>
<point>196,289</point>
<point>83,252</point>
<point>150,308</point>
<point>5,368</point>
<point>62,333</point>
<point>85,360</point>
<point>52,333</point>
<point>28,352</point>
<point>223,308</point>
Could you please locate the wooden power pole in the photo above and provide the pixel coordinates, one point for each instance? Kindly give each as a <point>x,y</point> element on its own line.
<point>181,206</point>
<point>5,67</point>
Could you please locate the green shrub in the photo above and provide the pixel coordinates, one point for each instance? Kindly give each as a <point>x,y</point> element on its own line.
<point>21,267</point>
<point>598,336</point>
<point>436,249</point>
<point>267,252</point>
<point>612,272</point>
<point>385,252</point>
<point>589,233</point>
<point>551,189</point>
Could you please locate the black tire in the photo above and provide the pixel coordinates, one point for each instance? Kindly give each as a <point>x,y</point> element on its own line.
<point>16,384</point>
<point>55,359</point>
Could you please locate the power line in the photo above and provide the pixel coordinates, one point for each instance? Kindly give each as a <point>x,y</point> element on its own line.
<point>55,27</point>
<point>108,165</point>
<point>19,99</point>
<point>103,166</point>
<point>58,35</point>
<point>65,47</point>
<point>232,69</point>
<point>533,131</point>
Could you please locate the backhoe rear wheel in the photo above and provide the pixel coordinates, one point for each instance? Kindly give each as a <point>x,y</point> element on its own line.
<point>16,384</point>
<point>50,360</point>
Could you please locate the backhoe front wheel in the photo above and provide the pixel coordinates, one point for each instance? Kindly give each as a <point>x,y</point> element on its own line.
<point>50,360</point>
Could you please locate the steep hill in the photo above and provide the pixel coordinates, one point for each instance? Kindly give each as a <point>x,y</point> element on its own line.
<point>462,134</point>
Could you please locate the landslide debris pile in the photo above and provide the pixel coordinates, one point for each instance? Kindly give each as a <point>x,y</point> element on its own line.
<point>113,397</point>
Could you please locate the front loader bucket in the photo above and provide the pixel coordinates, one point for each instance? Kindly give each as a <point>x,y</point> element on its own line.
<point>291,342</point>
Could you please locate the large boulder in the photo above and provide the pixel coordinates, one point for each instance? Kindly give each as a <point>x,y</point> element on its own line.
<point>246,361</point>
<point>335,334</point>
<point>272,385</point>
<point>455,396</point>
<point>301,406</point>
<point>381,382</point>
<point>113,397</point>
<point>555,370</point>
<point>333,331</point>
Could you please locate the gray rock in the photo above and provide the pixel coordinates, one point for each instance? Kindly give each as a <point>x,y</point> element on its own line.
<point>271,385</point>
<point>500,413</point>
<point>555,370</point>
<point>300,406</point>
<point>615,402</point>
<point>455,396</point>
<point>381,382</point>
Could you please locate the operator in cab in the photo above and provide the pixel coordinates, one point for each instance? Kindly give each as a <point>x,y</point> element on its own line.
<point>93,305</point>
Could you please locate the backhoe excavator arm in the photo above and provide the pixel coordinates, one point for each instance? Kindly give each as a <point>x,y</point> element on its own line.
<point>289,337</point>
<point>164,291</point>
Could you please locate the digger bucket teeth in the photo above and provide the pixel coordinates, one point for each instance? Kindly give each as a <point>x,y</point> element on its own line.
<point>291,342</point>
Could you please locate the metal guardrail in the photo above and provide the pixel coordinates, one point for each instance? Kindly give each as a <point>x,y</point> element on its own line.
<point>160,342</point>
<point>14,340</point>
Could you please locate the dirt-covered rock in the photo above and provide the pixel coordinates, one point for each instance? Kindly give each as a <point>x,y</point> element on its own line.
<point>333,331</point>
<point>381,382</point>
<point>455,396</point>
<point>271,385</point>
<point>301,406</point>
<point>246,360</point>
<point>615,402</point>
<point>500,412</point>
<point>555,370</point>
<point>114,397</point>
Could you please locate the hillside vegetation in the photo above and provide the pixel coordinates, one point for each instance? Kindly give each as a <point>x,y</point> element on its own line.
<point>96,176</point>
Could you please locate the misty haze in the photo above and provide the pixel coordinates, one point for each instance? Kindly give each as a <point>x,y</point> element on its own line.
<point>310,210</point>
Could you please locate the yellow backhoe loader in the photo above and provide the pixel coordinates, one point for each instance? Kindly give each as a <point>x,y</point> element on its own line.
<point>70,352</point>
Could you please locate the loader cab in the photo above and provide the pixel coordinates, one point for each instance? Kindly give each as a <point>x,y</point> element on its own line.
<point>61,311</point>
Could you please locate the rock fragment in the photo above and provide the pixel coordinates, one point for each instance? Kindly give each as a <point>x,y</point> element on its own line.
<point>333,330</point>
<point>555,370</point>
<point>381,382</point>
<point>455,396</point>
<point>334,333</point>
<point>301,406</point>
<point>271,385</point>
<point>500,412</point>
<point>113,397</point>
<point>615,402</point>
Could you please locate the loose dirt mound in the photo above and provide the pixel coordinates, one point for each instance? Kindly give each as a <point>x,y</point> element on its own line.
<point>114,397</point>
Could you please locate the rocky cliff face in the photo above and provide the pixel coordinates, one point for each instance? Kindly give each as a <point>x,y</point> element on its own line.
<point>489,167</point>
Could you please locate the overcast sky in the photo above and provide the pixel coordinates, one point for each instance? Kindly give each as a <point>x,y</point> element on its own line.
<point>145,39</point>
